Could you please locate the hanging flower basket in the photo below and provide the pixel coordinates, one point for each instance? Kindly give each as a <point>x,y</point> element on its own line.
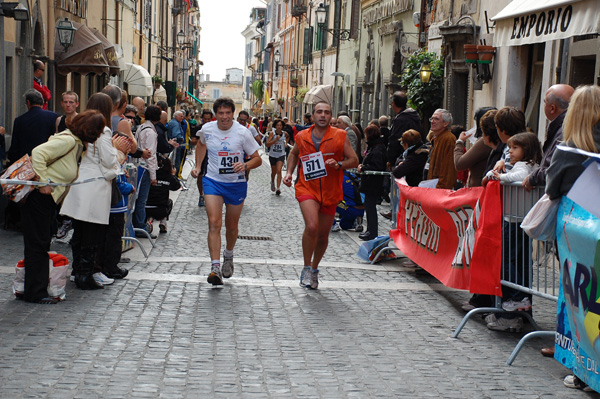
<point>471,55</point>
<point>485,54</point>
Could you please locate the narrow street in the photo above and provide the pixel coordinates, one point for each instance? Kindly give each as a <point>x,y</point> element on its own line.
<point>369,331</point>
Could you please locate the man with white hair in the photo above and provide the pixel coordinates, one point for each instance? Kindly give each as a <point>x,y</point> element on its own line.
<point>344,122</point>
<point>441,160</point>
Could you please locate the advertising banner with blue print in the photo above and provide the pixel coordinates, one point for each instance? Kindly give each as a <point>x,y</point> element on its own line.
<point>577,343</point>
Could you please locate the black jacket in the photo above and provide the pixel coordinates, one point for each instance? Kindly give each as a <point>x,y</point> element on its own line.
<point>411,168</point>
<point>162,144</point>
<point>405,120</point>
<point>31,129</point>
<point>159,195</point>
<point>374,161</point>
<point>554,135</point>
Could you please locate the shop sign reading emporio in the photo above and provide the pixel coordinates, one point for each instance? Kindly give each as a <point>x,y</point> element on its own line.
<point>533,21</point>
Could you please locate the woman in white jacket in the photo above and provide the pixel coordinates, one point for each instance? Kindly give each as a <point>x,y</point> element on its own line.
<point>89,204</point>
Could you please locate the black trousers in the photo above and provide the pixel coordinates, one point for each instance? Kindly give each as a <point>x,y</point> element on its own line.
<point>85,244</point>
<point>371,213</point>
<point>111,245</point>
<point>37,214</point>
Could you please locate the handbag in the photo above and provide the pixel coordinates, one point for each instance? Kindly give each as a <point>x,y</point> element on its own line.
<point>116,195</point>
<point>20,170</point>
<point>540,221</point>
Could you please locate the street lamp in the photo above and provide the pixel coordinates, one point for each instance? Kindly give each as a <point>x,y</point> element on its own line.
<point>425,73</point>
<point>321,14</point>
<point>277,57</point>
<point>14,10</point>
<point>340,34</point>
<point>180,38</point>
<point>66,33</point>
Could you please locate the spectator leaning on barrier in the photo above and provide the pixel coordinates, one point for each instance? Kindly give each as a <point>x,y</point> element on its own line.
<point>556,102</point>
<point>476,157</point>
<point>89,204</point>
<point>581,129</point>
<point>509,121</point>
<point>413,160</point>
<point>55,160</point>
<point>441,160</point>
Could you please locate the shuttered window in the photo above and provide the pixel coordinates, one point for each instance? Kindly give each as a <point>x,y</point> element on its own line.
<point>308,40</point>
<point>355,19</point>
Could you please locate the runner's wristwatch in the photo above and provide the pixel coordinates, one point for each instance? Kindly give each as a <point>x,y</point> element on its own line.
<point>340,164</point>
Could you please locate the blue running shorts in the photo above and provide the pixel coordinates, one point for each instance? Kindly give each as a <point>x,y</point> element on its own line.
<point>232,193</point>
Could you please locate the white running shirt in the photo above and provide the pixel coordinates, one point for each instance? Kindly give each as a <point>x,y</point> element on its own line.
<point>277,150</point>
<point>224,148</point>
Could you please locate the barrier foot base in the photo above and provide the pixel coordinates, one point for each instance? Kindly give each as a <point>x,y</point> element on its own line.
<point>148,236</point>
<point>469,315</point>
<point>138,242</point>
<point>525,338</point>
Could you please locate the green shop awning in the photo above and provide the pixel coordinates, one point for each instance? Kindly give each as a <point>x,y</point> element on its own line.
<point>194,97</point>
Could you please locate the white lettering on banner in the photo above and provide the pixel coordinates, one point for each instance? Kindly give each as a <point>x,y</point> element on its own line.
<point>385,10</point>
<point>588,363</point>
<point>75,7</point>
<point>420,228</point>
<point>465,231</point>
<point>542,23</point>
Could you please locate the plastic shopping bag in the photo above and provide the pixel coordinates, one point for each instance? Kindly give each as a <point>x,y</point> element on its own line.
<point>20,170</point>
<point>369,250</point>
<point>58,265</point>
<point>540,221</point>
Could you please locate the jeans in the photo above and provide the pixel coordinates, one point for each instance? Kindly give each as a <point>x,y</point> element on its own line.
<point>139,214</point>
<point>37,213</point>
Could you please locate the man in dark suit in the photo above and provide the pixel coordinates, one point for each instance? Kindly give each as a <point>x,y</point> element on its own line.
<point>32,128</point>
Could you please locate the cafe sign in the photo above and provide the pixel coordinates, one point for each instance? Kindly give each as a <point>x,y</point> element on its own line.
<point>536,21</point>
<point>385,10</point>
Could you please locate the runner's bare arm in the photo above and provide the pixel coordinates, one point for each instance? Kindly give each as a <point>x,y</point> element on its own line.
<point>200,154</point>
<point>292,162</point>
<point>350,159</point>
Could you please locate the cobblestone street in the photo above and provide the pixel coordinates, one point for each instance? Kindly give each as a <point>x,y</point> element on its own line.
<point>370,331</point>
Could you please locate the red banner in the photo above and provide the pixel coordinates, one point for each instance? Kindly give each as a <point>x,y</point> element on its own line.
<point>455,235</point>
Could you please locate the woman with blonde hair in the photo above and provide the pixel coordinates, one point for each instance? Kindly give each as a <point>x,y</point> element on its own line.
<point>581,129</point>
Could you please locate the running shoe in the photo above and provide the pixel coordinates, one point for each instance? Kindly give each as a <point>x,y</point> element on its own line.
<point>336,227</point>
<point>64,229</point>
<point>101,278</point>
<point>227,267</point>
<point>304,276</point>
<point>272,186</point>
<point>215,277</point>
<point>512,306</point>
<point>278,192</point>
<point>314,280</point>
<point>510,325</point>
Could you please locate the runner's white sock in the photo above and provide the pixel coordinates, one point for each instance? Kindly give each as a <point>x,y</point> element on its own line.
<point>227,253</point>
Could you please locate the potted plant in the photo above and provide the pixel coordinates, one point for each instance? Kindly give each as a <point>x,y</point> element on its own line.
<point>281,101</point>
<point>485,53</point>
<point>294,82</point>
<point>301,93</point>
<point>471,55</point>
<point>156,79</point>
